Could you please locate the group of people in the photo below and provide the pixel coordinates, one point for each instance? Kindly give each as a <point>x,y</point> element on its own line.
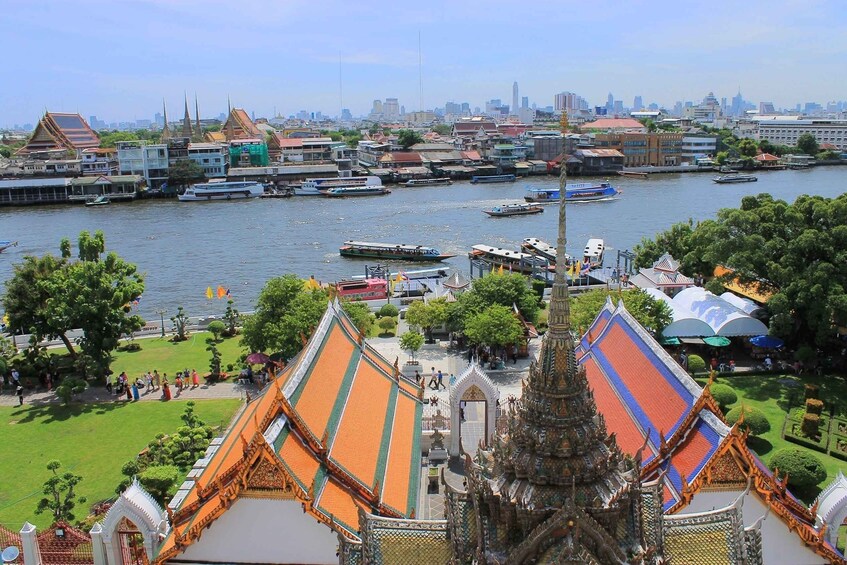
<point>260,379</point>
<point>15,381</point>
<point>436,380</point>
<point>151,382</point>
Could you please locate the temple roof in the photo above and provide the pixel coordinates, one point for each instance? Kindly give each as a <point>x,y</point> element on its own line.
<point>61,131</point>
<point>341,428</point>
<point>238,125</point>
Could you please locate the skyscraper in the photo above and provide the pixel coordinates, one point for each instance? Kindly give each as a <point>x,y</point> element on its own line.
<point>637,104</point>
<point>515,98</point>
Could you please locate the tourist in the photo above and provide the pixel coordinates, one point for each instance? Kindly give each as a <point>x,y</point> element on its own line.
<point>418,378</point>
<point>798,367</point>
<point>135,391</point>
<point>178,383</point>
<point>166,389</point>
<point>732,365</point>
<point>433,380</point>
<point>19,390</point>
<point>440,379</point>
<point>149,378</point>
<point>683,360</point>
<point>462,410</point>
<point>195,378</point>
<point>109,385</point>
<point>713,363</point>
<point>16,378</point>
<point>48,380</point>
<point>157,379</point>
<point>250,373</point>
<point>128,392</point>
<point>452,380</point>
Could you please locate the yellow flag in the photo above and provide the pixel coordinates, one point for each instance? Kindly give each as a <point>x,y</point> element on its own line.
<point>500,270</point>
<point>209,293</point>
<point>311,283</point>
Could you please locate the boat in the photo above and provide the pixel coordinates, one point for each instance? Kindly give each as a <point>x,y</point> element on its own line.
<point>339,191</point>
<point>516,261</point>
<point>399,251</point>
<point>365,289</point>
<point>101,200</point>
<point>317,187</point>
<point>733,178</point>
<point>535,246</point>
<point>227,190</point>
<point>482,179</point>
<point>428,182</point>
<point>635,174</point>
<point>577,192</point>
<point>6,244</point>
<point>513,210</point>
<point>593,252</point>
<point>798,166</point>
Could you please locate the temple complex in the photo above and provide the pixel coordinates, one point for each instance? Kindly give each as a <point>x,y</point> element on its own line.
<point>238,125</point>
<point>61,132</point>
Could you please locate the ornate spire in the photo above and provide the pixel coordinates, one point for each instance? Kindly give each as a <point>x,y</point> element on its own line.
<point>186,121</point>
<point>166,132</point>
<point>230,129</point>
<point>197,115</point>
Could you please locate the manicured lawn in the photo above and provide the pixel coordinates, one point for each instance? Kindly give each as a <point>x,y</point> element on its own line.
<point>169,357</point>
<point>92,440</point>
<point>774,399</point>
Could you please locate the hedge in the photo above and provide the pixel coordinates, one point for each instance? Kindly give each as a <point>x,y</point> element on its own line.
<point>723,394</point>
<point>804,469</point>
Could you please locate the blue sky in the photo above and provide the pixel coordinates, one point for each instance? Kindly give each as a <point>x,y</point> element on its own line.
<point>118,59</point>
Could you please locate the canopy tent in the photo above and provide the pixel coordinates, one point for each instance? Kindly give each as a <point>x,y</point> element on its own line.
<point>767,342</point>
<point>685,322</point>
<point>724,318</point>
<point>745,305</point>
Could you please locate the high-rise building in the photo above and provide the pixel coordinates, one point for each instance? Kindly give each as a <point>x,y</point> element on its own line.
<point>637,104</point>
<point>391,109</point>
<point>525,102</point>
<point>515,97</point>
<point>567,101</point>
<point>610,102</point>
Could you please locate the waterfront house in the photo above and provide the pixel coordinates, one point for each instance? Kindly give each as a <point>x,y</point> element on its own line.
<point>595,161</point>
<point>119,187</point>
<point>98,161</point>
<point>151,161</point>
<point>211,157</point>
<point>768,161</point>
<point>655,149</point>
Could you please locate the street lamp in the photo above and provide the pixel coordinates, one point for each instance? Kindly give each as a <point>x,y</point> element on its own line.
<point>161,312</point>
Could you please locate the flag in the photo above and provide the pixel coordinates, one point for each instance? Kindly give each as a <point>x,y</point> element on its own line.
<point>398,280</point>
<point>500,270</point>
<point>221,291</point>
<point>311,283</point>
<point>228,295</point>
<point>209,294</point>
<point>136,302</point>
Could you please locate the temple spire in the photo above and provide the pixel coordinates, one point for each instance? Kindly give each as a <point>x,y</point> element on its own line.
<point>186,121</point>
<point>166,132</point>
<point>198,129</point>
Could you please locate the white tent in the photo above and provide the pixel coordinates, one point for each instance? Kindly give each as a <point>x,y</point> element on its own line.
<point>724,318</point>
<point>745,304</point>
<point>685,322</point>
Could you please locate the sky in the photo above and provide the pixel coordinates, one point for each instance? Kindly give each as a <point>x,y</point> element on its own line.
<point>119,59</point>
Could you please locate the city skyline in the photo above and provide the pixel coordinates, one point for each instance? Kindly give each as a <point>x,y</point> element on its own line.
<point>127,57</point>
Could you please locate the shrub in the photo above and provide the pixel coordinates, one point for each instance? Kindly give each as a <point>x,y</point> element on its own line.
<point>695,364</point>
<point>754,419</point>
<point>389,310</point>
<point>217,328</point>
<point>70,387</point>
<point>538,286</point>
<point>387,324</point>
<point>810,425</point>
<point>814,406</point>
<point>804,354</point>
<point>810,391</point>
<point>158,480</point>
<point>804,469</point>
<point>724,395</point>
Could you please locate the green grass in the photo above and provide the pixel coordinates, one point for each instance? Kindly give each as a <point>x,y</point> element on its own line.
<point>169,357</point>
<point>772,397</point>
<point>92,440</point>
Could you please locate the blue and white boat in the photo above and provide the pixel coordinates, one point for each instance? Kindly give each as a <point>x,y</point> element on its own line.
<point>576,192</point>
<point>6,244</point>
<point>486,179</point>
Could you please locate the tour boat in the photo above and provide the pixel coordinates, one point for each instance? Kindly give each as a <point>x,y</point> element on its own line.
<point>399,251</point>
<point>516,261</point>
<point>578,192</point>
<point>228,190</point>
<point>634,174</point>
<point>729,179</point>
<point>535,246</point>
<point>428,182</point>
<point>482,179</point>
<point>4,245</point>
<point>593,252</point>
<point>513,210</point>
<point>365,289</point>
<point>99,201</point>
<point>339,191</point>
<point>317,187</point>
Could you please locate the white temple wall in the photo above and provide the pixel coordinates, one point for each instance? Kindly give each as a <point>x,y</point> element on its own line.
<point>779,545</point>
<point>256,530</point>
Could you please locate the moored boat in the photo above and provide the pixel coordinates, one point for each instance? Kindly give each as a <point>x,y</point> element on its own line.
<point>535,246</point>
<point>593,253</point>
<point>101,200</point>
<point>733,178</point>
<point>339,191</point>
<point>6,244</point>
<point>365,289</point>
<point>578,192</point>
<point>317,187</point>
<point>398,251</point>
<point>428,182</point>
<point>484,179</point>
<point>229,190</point>
<point>513,210</point>
<point>634,174</point>
<point>516,261</point>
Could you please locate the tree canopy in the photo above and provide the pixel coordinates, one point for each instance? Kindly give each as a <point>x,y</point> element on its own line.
<point>184,172</point>
<point>808,144</point>
<point>286,313</point>
<point>507,289</point>
<point>653,314</point>
<point>59,495</point>
<point>495,326</point>
<point>427,315</point>
<point>408,137</point>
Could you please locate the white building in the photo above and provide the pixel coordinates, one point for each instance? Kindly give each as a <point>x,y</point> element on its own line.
<point>785,130</point>
<point>149,161</point>
<point>210,156</point>
<point>696,146</point>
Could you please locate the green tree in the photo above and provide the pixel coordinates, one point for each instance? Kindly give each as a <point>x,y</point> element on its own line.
<point>696,364</point>
<point>231,317</point>
<point>217,328</point>
<point>427,315</point>
<point>180,322</point>
<point>108,139</point>
<point>60,497</point>
<point>748,148</point>
<point>808,144</point>
<point>754,419</point>
<point>408,137</point>
<point>649,124</point>
<point>185,172</point>
<point>766,146</point>
<point>389,310</point>
<point>803,468</point>
<point>655,315</point>
<point>286,313</point>
<point>495,326</point>
<point>411,341</point>
<point>214,359</point>
<point>387,325</point>
<point>721,157</point>
<point>507,290</point>
<point>6,151</point>
<point>360,314</point>
<point>442,129</point>
<point>70,387</point>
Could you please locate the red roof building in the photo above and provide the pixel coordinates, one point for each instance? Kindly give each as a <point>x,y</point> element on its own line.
<point>57,131</point>
<point>615,125</point>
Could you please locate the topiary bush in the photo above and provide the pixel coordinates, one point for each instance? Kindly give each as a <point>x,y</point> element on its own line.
<point>695,364</point>
<point>811,424</point>
<point>814,406</point>
<point>810,391</point>
<point>754,419</point>
<point>389,310</point>
<point>724,395</point>
<point>217,328</point>
<point>804,469</point>
<point>158,480</point>
<point>387,325</point>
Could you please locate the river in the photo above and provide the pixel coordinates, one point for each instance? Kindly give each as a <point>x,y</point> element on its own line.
<point>185,247</point>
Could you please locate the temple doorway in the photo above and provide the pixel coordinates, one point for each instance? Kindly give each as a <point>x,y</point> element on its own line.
<point>131,544</point>
<point>472,414</point>
<point>473,411</point>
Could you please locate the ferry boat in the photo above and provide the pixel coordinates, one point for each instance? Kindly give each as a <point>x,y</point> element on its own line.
<point>365,289</point>
<point>516,261</point>
<point>428,182</point>
<point>733,178</point>
<point>482,179</point>
<point>6,244</point>
<point>339,191</point>
<point>228,190</point>
<point>317,187</point>
<point>593,252</point>
<point>397,251</point>
<point>535,246</point>
<point>577,192</point>
<point>513,210</point>
<point>101,200</point>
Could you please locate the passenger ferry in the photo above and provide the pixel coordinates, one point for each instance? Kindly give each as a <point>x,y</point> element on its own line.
<point>578,192</point>
<point>227,190</point>
<point>365,289</point>
<point>338,191</point>
<point>734,178</point>
<point>541,248</point>
<point>317,187</point>
<point>397,251</point>
<point>516,261</point>
<point>513,210</point>
<point>492,178</point>
<point>428,182</point>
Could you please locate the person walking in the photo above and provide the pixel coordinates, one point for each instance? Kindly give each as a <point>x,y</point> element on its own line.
<point>19,390</point>
<point>195,378</point>
<point>149,378</point>
<point>157,380</point>
<point>440,379</point>
<point>417,378</point>
<point>433,380</point>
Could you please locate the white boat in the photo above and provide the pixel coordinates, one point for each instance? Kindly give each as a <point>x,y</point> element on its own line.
<point>516,261</point>
<point>428,182</point>
<point>338,191</point>
<point>228,190</point>
<point>593,253</point>
<point>538,247</point>
<point>575,192</point>
<point>734,178</point>
<point>319,187</point>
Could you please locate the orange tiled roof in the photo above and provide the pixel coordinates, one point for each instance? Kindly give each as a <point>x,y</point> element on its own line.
<point>58,130</point>
<point>613,123</point>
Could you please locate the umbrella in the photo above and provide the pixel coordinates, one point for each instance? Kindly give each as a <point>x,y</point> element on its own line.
<point>669,340</point>
<point>767,342</point>
<point>716,341</point>
<point>257,359</point>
